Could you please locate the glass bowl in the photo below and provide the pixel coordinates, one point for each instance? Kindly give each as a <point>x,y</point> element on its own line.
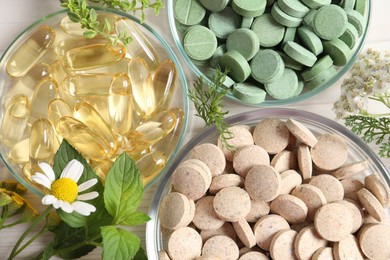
<point>358,151</point>
<point>18,72</point>
<point>199,68</point>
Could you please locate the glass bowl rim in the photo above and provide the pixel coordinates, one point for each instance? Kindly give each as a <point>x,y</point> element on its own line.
<point>274,102</point>
<point>243,118</point>
<point>171,54</point>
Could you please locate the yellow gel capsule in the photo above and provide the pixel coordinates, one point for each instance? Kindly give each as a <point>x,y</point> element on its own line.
<point>30,51</point>
<point>164,82</point>
<point>101,168</point>
<point>93,56</point>
<point>45,91</point>
<point>20,152</point>
<point>142,86</point>
<point>91,118</point>
<point>29,169</point>
<point>58,73</point>
<point>57,109</point>
<point>121,66</point>
<point>74,29</point>
<point>120,102</point>
<point>70,43</point>
<point>84,139</point>
<point>15,120</point>
<point>17,89</point>
<point>150,165</point>
<point>35,74</point>
<point>139,46</point>
<point>83,85</point>
<point>42,141</point>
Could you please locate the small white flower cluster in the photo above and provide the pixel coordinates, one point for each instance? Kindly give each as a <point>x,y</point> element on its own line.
<point>369,79</point>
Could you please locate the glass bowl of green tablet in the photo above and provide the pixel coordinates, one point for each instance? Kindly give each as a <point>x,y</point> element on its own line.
<point>103,99</point>
<point>276,52</point>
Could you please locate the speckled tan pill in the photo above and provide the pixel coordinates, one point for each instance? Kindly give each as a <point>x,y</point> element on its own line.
<point>248,156</point>
<point>375,185</point>
<point>323,253</point>
<point>307,242</point>
<point>350,170</point>
<point>282,245</point>
<point>258,210</point>
<point>300,226</point>
<point>200,164</point>
<point>330,152</point>
<point>205,217</point>
<point>271,134</point>
<point>209,257</point>
<point>284,160</point>
<point>221,246</point>
<point>225,180</point>
<point>368,219</point>
<point>211,155</point>
<point>175,211</point>
<point>253,256</point>
<point>304,161</point>
<point>301,132</point>
<point>291,208</point>
<point>351,187</point>
<point>371,204</point>
<point>312,196</point>
<point>330,187</point>
<point>290,180</point>
<point>241,136</point>
<point>347,249</point>
<point>226,230</point>
<point>184,243</point>
<point>267,227</point>
<point>374,240</point>
<point>333,222</point>
<point>245,233</point>
<point>232,204</point>
<point>162,255</point>
<point>356,213</point>
<point>263,183</point>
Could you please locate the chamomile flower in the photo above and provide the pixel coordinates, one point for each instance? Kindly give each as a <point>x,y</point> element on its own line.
<point>65,190</point>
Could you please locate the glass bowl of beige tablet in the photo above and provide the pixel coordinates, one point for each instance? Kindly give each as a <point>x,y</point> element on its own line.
<point>277,52</point>
<point>104,99</point>
<point>276,192</point>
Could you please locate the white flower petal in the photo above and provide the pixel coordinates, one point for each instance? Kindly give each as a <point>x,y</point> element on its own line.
<point>66,207</point>
<point>83,208</point>
<point>88,196</point>
<point>42,179</point>
<point>88,184</point>
<point>46,168</point>
<point>73,170</point>
<point>48,199</point>
<point>57,204</point>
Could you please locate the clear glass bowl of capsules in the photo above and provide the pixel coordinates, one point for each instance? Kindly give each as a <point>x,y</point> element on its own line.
<point>200,67</point>
<point>157,236</point>
<point>103,99</point>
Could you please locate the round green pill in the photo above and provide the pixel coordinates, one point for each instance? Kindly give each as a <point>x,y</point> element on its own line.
<point>211,73</point>
<point>361,6</point>
<point>200,43</point>
<point>357,20</point>
<point>300,54</point>
<point>322,64</point>
<point>283,18</point>
<point>237,65</point>
<point>310,40</point>
<point>289,35</point>
<point>269,32</point>
<point>225,22</point>
<point>301,85</point>
<point>330,22</point>
<point>214,5</point>
<point>188,12</point>
<point>249,8</point>
<point>214,62</point>
<point>289,62</point>
<point>245,41</point>
<point>348,4</point>
<point>294,8</point>
<point>315,4</point>
<point>248,93</point>
<point>285,87</point>
<point>308,19</point>
<point>267,66</point>
<point>321,78</point>
<point>246,22</point>
<point>350,36</point>
<point>338,51</point>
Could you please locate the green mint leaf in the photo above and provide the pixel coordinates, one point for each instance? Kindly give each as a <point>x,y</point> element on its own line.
<point>123,188</point>
<point>119,243</point>
<point>90,34</point>
<point>141,255</point>
<point>73,17</point>
<point>48,252</point>
<point>92,15</point>
<point>135,218</point>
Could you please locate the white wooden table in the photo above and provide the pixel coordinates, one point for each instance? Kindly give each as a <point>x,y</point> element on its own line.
<point>15,15</point>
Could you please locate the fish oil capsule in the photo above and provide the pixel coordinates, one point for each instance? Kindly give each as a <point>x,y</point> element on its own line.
<point>15,120</point>
<point>101,168</point>
<point>57,109</point>
<point>164,82</point>
<point>84,139</point>
<point>16,90</point>
<point>58,73</point>
<point>84,85</point>
<point>150,165</point>
<point>30,51</point>
<point>45,91</point>
<point>121,66</point>
<point>29,170</point>
<point>93,56</point>
<point>20,152</point>
<point>139,46</point>
<point>74,29</point>
<point>142,86</point>
<point>120,102</point>
<point>39,71</point>
<point>42,141</point>
<point>69,43</point>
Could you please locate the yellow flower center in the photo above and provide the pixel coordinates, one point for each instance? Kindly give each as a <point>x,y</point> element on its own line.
<point>65,189</point>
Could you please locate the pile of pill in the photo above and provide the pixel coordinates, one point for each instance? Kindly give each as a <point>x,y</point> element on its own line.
<point>103,99</point>
<point>283,193</point>
<point>270,47</point>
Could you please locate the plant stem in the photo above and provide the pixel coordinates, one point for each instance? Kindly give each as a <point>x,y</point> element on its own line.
<point>12,224</point>
<point>43,230</point>
<point>28,230</point>
<point>78,245</point>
